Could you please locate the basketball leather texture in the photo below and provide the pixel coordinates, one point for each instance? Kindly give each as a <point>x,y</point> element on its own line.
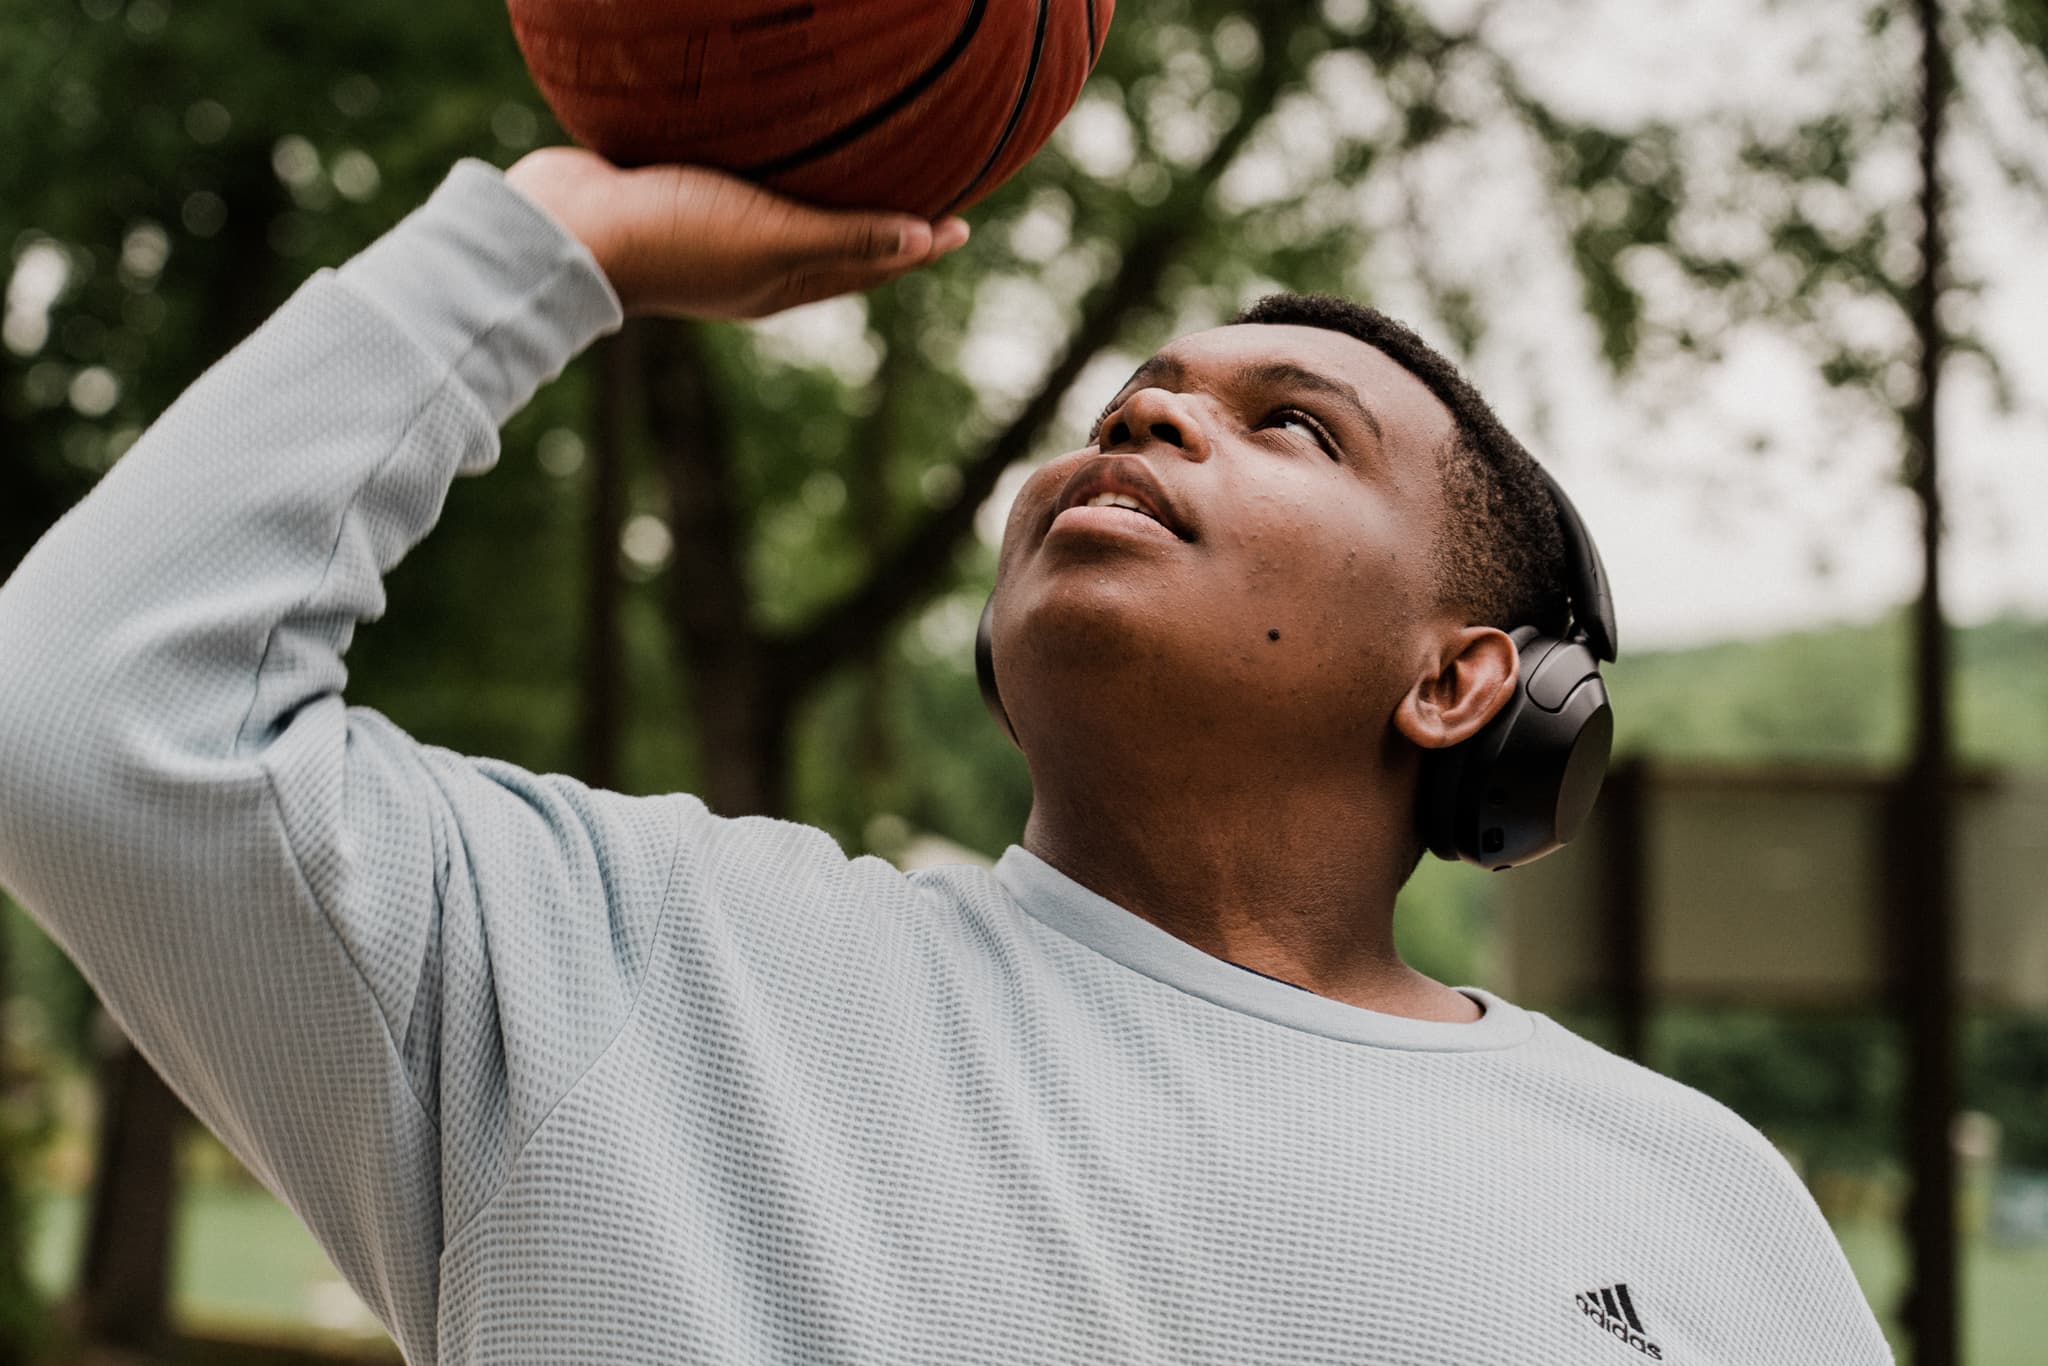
<point>918,105</point>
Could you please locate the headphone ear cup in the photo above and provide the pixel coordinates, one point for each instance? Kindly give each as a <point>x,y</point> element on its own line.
<point>1452,779</point>
<point>1466,799</point>
<point>985,667</point>
<point>1524,784</point>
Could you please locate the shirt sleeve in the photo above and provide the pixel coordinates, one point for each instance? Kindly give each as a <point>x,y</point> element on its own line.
<point>370,965</point>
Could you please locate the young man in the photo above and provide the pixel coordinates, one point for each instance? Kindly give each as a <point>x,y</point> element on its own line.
<point>563,1075</point>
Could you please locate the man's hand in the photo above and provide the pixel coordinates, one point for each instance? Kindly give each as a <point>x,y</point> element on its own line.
<point>681,241</point>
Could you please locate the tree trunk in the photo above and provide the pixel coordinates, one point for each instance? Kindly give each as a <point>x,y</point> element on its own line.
<point>602,696</point>
<point>122,1284</point>
<point>743,725</point>
<point>871,749</point>
<point>740,690</point>
<point>1923,935</point>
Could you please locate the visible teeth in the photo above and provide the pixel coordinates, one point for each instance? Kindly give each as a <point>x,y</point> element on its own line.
<point>1115,500</point>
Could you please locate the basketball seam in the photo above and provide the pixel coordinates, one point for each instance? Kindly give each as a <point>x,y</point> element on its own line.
<point>1016,113</point>
<point>882,112</point>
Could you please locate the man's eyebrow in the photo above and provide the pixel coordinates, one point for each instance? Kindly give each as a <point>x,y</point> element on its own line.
<point>1280,374</point>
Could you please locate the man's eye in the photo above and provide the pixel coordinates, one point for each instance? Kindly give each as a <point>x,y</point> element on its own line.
<point>1294,417</point>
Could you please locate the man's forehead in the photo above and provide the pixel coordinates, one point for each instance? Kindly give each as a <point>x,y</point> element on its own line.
<point>1271,351</point>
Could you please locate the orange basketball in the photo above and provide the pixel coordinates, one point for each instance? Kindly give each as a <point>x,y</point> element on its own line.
<point>918,105</point>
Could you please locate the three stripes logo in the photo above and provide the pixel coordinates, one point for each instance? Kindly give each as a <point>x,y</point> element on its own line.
<point>1613,1312</point>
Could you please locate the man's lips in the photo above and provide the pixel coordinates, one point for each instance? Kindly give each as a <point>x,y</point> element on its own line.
<point>1128,476</point>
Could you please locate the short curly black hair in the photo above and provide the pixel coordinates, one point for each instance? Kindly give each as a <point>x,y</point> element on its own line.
<point>1501,557</point>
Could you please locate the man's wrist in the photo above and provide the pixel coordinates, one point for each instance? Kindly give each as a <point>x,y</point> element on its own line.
<point>557,188</point>
<point>489,284</point>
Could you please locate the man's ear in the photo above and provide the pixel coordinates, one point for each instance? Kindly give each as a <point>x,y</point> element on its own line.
<point>1470,678</point>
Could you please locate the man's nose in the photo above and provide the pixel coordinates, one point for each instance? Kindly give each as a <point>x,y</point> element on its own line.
<point>1157,416</point>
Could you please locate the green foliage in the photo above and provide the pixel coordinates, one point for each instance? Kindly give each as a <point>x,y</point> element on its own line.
<point>1826,1085</point>
<point>220,175</point>
<point>908,739</point>
<point>2006,1076</point>
<point>2029,21</point>
<point>479,651</point>
<point>1621,191</point>
<point>1833,695</point>
<point>1830,1085</point>
<point>1442,922</point>
<point>223,173</point>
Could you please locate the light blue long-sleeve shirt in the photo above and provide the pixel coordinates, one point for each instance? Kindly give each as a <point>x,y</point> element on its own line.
<point>557,1074</point>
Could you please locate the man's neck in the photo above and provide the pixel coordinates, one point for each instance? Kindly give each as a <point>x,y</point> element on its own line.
<point>1296,882</point>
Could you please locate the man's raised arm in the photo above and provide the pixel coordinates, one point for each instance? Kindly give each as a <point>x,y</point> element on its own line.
<point>370,965</point>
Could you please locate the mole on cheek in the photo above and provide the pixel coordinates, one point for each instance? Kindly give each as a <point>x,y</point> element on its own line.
<point>1273,634</point>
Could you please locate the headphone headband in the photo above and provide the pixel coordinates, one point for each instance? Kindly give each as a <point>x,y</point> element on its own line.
<point>1585,576</point>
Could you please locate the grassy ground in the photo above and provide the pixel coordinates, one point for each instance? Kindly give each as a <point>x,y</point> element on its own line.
<point>2005,1294</point>
<point>244,1263</point>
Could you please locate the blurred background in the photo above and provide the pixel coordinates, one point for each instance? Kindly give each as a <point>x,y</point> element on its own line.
<point>1762,282</point>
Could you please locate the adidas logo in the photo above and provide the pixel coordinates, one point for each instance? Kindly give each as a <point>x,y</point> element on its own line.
<point>1615,1313</point>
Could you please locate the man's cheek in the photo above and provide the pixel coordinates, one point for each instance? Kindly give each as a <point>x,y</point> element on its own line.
<point>1030,504</point>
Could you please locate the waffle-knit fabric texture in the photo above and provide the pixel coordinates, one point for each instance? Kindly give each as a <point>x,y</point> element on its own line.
<point>561,1075</point>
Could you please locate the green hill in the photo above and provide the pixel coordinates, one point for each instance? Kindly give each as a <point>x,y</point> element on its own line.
<point>1835,695</point>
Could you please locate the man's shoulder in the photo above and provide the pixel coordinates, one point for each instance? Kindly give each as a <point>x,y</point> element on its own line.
<point>1643,1108</point>
<point>1708,1183</point>
<point>774,878</point>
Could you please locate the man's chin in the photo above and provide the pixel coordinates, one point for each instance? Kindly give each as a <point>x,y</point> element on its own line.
<point>1106,660</point>
<point>1096,623</point>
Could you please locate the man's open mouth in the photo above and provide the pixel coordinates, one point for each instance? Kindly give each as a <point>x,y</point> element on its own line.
<point>1121,481</point>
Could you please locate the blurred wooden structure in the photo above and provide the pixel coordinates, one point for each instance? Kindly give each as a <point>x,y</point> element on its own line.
<point>1769,886</point>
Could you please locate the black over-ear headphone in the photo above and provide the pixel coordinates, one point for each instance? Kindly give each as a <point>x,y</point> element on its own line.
<point>1524,784</point>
